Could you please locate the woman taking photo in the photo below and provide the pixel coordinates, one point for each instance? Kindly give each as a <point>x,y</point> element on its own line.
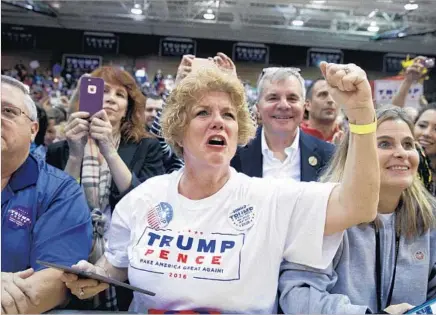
<point>206,238</point>
<point>109,153</point>
<point>388,265</point>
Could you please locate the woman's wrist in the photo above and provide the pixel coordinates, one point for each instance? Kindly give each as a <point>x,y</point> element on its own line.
<point>75,159</point>
<point>103,271</point>
<point>362,116</point>
<point>110,155</point>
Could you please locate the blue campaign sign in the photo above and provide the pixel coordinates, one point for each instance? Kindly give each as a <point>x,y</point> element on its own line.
<point>17,37</point>
<point>316,55</point>
<point>250,52</point>
<point>100,43</point>
<point>177,47</point>
<point>80,63</point>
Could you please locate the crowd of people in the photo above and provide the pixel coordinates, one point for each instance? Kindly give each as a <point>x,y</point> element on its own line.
<point>304,201</point>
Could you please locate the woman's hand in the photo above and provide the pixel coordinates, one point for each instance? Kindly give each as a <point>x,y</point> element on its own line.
<point>76,133</point>
<point>416,71</point>
<point>225,63</point>
<point>349,87</point>
<point>398,308</point>
<point>84,288</point>
<point>101,131</point>
<point>338,137</point>
<point>184,68</point>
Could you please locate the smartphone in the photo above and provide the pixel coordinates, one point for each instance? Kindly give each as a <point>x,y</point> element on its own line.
<point>428,307</point>
<point>91,94</point>
<point>202,63</point>
<point>91,275</point>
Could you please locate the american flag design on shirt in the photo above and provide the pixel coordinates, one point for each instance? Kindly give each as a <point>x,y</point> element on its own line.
<point>160,215</point>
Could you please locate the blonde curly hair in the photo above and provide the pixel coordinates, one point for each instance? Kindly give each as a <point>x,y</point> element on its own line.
<point>175,115</point>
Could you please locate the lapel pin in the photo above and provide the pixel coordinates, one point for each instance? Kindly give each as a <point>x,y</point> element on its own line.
<point>313,161</point>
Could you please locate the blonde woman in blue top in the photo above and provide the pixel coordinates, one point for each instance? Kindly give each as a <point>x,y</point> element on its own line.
<point>385,266</point>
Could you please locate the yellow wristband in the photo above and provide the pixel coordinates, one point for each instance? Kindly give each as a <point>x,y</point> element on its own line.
<point>363,129</point>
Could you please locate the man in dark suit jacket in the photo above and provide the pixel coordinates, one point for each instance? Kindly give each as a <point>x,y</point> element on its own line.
<point>280,148</point>
<point>314,156</point>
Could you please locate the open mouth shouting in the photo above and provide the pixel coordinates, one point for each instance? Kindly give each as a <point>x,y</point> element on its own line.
<point>217,141</point>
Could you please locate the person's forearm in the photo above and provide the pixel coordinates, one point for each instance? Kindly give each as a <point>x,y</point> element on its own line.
<point>121,174</point>
<point>359,189</point>
<point>73,166</point>
<point>51,290</point>
<point>309,300</point>
<point>110,271</point>
<point>399,99</point>
<point>304,290</point>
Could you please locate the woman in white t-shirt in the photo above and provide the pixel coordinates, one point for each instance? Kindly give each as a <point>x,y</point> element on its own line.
<point>208,239</point>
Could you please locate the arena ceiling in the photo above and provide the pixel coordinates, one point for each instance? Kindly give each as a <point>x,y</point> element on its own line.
<point>347,24</point>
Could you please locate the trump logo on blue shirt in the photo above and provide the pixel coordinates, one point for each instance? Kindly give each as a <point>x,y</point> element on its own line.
<point>19,217</point>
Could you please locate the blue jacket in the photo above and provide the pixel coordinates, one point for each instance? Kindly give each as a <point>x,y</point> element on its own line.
<point>44,217</point>
<point>249,159</point>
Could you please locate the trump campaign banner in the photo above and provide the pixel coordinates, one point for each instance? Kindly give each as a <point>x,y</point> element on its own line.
<point>250,52</point>
<point>177,47</point>
<point>385,90</point>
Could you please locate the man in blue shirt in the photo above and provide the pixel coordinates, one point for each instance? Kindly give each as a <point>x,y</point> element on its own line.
<point>44,212</point>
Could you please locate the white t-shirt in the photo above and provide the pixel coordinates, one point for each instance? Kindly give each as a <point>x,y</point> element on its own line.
<point>221,253</point>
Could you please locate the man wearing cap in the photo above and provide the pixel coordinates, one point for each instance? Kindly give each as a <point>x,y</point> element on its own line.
<point>281,149</point>
<point>44,212</point>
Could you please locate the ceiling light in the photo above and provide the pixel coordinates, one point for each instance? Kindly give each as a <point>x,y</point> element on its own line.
<point>209,15</point>
<point>56,5</point>
<point>318,1</point>
<point>28,7</point>
<point>411,6</point>
<point>373,23</point>
<point>136,9</point>
<point>373,28</point>
<point>401,34</point>
<point>297,22</point>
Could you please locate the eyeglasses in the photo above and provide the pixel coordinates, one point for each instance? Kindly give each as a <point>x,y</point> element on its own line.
<point>12,113</point>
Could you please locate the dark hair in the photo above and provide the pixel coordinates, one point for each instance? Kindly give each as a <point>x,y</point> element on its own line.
<point>309,92</point>
<point>431,106</point>
<point>58,114</point>
<point>153,96</point>
<point>43,124</point>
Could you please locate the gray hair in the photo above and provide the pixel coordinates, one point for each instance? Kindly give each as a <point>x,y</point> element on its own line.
<point>277,74</point>
<point>31,107</point>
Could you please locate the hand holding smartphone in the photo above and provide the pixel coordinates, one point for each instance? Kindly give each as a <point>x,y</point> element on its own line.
<point>202,63</point>
<point>91,92</point>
